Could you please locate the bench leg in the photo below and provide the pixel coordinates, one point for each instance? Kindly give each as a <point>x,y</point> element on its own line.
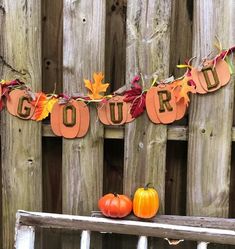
<point>142,242</point>
<point>25,237</point>
<point>202,245</point>
<point>85,239</point>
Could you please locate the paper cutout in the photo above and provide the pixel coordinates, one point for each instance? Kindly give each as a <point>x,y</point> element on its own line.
<point>162,105</point>
<point>43,106</point>
<point>97,87</point>
<point>18,104</point>
<point>115,111</point>
<point>211,77</point>
<point>136,97</point>
<point>70,120</point>
<point>165,102</point>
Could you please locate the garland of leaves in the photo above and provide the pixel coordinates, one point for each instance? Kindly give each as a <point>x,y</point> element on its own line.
<point>43,102</point>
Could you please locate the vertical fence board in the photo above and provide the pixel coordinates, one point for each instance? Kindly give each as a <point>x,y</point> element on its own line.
<point>21,140</point>
<point>52,29</point>
<point>52,44</point>
<point>210,118</point>
<point>148,50</point>
<point>148,44</point>
<point>2,25</point>
<point>115,43</point>
<point>176,163</point>
<point>84,38</point>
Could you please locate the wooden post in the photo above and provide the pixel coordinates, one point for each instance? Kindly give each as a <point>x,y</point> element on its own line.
<point>20,139</point>
<point>210,125</point>
<point>25,237</point>
<point>84,40</point>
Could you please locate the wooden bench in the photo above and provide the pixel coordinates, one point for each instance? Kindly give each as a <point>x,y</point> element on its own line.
<point>201,229</point>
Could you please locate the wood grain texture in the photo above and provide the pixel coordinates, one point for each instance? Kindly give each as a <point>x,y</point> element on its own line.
<point>2,25</point>
<point>148,50</point>
<point>115,43</point>
<point>176,161</point>
<point>52,73</point>
<point>83,43</point>
<point>52,41</point>
<point>210,124</point>
<point>161,230</point>
<point>148,46</point>
<point>21,140</point>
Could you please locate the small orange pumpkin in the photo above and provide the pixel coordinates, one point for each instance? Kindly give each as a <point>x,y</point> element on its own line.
<point>161,105</point>
<point>115,205</point>
<point>70,120</point>
<point>115,112</point>
<point>211,77</point>
<point>145,202</point>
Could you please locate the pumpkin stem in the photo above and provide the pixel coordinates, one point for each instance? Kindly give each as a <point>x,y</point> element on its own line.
<point>147,185</point>
<point>115,194</point>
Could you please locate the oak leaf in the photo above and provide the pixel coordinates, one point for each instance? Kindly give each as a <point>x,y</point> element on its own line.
<point>97,87</point>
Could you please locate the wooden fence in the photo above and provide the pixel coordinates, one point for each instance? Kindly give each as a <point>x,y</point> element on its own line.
<point>189,162</point>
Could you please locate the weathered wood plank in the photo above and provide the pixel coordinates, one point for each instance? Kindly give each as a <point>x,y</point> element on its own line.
<point>176,161</point>
<point>21,140</point>
<point>210,222</point>
<point>115,43</point>
<point>2,25</point>
<point>148,45</point>
<point>83,43</point>
<point>147,52</point>
<point>52,54</point>
<point>162,230</point>
<point>209,147</point>
<point>52,29</point>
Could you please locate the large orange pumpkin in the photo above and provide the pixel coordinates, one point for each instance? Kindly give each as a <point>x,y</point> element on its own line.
<point>115,205</point>
<point>18,104</point>
<point>211,77</point>
<point>115,112</point>
<point>70,120</point>
<point>145,202</point>
<point>161,105</point>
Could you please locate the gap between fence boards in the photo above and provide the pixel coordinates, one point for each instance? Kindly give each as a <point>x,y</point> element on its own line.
<point>176,133</point>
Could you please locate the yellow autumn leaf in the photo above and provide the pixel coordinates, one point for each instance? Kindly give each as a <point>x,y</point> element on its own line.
<point>97,87</point>
<point>43,107</point>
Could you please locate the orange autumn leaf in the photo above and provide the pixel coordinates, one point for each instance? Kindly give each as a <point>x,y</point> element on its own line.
<point>97,87</point>
<point>43,106</point>
<point>181,89</point>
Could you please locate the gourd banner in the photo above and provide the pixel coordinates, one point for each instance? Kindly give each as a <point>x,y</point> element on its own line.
<point>165,101</point>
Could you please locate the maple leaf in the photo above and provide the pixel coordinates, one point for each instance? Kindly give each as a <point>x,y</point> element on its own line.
<point>136,97</point>
<point>97,87</point>
<point>138,106</point>
<point>43,106</point>
<point>182,87</point>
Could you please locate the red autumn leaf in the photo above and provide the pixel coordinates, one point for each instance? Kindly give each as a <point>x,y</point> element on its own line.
<point>138,106</point>
<point>136,97</point>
